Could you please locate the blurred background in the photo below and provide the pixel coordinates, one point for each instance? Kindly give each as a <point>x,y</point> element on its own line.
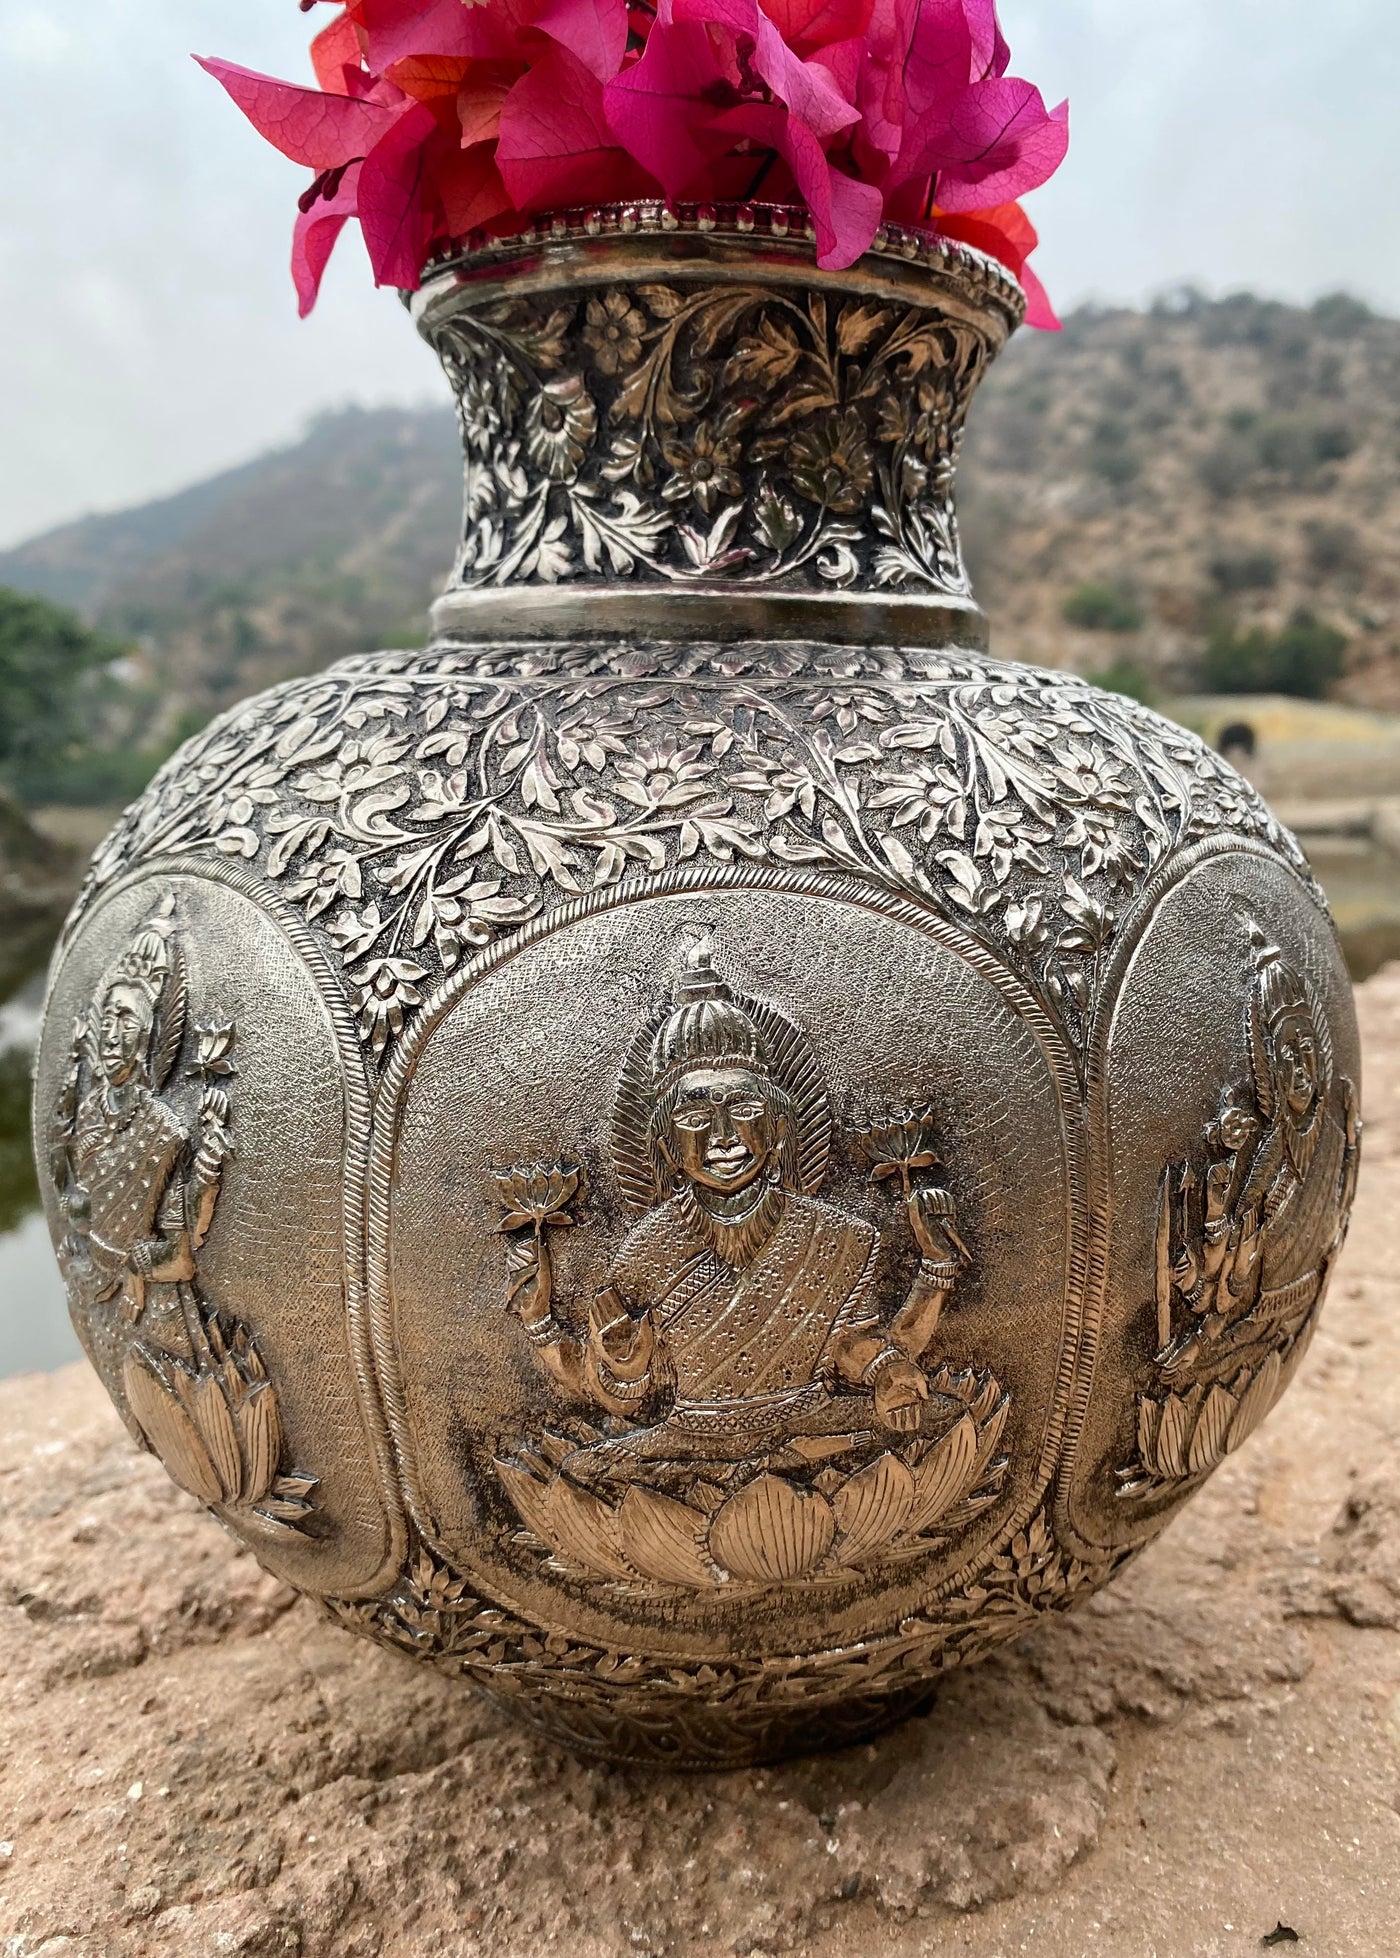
<point>1192,494</point>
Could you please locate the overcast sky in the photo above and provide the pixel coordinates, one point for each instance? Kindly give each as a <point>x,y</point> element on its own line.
<point>149,328</point>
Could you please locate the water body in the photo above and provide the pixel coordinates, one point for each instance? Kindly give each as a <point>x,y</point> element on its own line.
<point>1362,883</point>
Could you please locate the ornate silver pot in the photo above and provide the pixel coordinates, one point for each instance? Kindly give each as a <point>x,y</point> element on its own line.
<point>699,1152</point>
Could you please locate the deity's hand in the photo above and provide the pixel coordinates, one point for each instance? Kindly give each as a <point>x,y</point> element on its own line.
<point>215,1148</point>
<point>931,1218</point>
<point>1218,1180</point>
<point>900,1392</point>
<point>628,1345</point>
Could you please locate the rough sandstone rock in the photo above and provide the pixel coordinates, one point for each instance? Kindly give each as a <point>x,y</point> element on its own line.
<point>192,1762</point>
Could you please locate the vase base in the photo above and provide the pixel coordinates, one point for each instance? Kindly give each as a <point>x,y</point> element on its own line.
<point>690,1736</point>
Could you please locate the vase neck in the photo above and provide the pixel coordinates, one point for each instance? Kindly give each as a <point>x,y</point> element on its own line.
<point>694,435</point>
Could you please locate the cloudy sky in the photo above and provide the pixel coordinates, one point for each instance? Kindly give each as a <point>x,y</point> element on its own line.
<point>150,334</point>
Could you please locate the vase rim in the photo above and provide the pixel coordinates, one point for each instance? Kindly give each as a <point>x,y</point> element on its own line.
<point>788,229</point>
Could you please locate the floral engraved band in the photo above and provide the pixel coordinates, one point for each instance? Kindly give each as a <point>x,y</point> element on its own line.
<point>699,429</point>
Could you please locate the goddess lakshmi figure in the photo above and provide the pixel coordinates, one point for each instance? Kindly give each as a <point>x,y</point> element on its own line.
<point>741,1315</point>
<point>139,1191</point>
<point>1274,1203</point>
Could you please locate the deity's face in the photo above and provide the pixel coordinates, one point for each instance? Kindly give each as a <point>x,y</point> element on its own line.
<point>723,1129</point>
<point>124,1033</point>
<point>1296,1059</point>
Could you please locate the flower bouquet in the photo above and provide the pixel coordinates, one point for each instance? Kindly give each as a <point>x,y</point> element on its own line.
<point>436,121</point>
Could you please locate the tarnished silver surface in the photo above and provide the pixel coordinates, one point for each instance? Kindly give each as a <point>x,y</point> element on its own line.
<point>699,1180</point>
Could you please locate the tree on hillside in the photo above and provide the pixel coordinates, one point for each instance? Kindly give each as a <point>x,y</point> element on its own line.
<point>1304,659</point>
<point>51,672</point>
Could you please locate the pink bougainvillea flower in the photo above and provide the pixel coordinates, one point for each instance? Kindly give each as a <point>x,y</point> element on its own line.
<point>320,130</point>
<point>325,211</point>
<point>435,118</point>
<point>395,29</point>
<point>990,53</point>
<point>335,50</point>
<point>595,31</point>
<point>995,142</point>
<point>555,146</point>
<point>391,206</point>
<point>716,70</point>
<point>662,108</point>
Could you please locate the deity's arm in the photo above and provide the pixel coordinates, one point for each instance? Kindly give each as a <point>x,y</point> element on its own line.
<point>942,1253</point>
<point>864,1355</point>
<point>530,1293</point>
<point>167,1256</point>
<point>620,1362</point>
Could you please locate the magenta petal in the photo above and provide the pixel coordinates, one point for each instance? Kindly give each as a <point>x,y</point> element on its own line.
<point>843,62</point>
<point>990,54</point>
<point>657,108</point>
<point>594,30</point>
<point>556,147</point>
<point>938,63</point>
<point>393,209</point>
<point>1039,311</point>
<point>321,131</point>
<point>314,238</point>
<point>846,214</point>
<point>808,90</point>
<point>395,29</point>
<point>1001,142</point>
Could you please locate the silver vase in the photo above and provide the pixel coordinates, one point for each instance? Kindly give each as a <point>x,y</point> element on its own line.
<point>699,1151</point>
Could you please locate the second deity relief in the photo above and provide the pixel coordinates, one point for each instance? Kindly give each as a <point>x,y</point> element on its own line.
<point>739,1406</point>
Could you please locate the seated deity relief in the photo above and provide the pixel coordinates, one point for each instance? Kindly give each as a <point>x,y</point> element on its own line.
<point>138,1184</point>
<point>1246,1241</point>
<point>739,1407</point>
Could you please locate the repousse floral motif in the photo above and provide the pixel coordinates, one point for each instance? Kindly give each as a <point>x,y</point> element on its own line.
<point>679,432</point>
<point>417,806</point>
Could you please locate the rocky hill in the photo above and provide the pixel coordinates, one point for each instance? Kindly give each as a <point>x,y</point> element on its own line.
<point>1200,463</point>
<point>1131,486</point>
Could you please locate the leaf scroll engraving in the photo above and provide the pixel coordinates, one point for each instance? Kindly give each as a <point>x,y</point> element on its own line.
<point>416,808</point>
<point>703,432</point>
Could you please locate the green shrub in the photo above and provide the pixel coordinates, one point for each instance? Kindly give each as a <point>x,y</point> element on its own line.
<point>1237,571</point>
<point>52,670</point>
<point>1125,676</point>
<point>1103,608</point>
<point>1304,659</point>
<point>19,1191</point>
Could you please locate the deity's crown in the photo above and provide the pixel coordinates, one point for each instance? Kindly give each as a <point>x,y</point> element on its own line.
<point>706,1026</point>
<point>145,964</point>
<point>1279,990</point>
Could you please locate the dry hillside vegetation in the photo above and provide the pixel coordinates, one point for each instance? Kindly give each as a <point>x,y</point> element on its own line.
<point>1130,488</point>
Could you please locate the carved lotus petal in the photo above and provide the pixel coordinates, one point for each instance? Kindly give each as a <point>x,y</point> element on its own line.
<point>536,1193</point>
<point>1256,1401</point>
<point>770,1532</point>
<point>171,1432</point>
<point>583,1529</point>
<point>214,1419</point>
<point>260,1435</point>
<point>943,1475</point>
<point>664,1539</point>
<point>1212,1428</point>
<point>873,1507</point>
<point>528,1495</point>
<point>1173,1437</point>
